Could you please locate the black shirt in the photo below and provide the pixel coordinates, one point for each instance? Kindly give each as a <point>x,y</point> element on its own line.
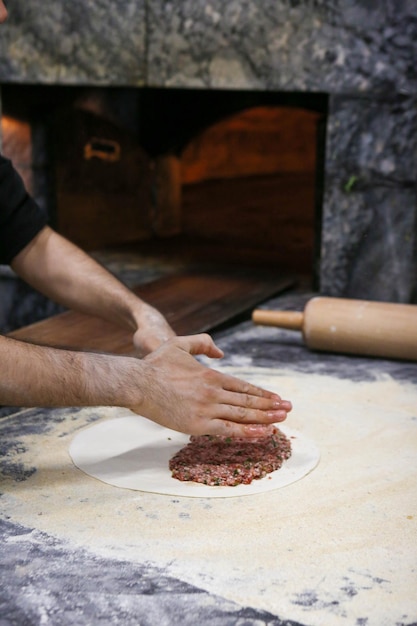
<point>21,218</point>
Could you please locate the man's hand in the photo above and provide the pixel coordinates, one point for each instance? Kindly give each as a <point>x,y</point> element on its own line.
<point>182,394</point>
<point>153,330</point>
<point>169,386</point>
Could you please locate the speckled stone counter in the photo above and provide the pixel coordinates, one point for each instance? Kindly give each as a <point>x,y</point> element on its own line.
<point>337,547</point>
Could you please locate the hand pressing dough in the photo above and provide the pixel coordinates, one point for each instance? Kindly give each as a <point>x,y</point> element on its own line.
<point>134,453</point>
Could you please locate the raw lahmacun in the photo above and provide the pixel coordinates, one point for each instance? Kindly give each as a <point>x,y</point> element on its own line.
<point>230,461</point>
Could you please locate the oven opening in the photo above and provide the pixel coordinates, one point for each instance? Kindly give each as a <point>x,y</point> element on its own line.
<point>232,175</point>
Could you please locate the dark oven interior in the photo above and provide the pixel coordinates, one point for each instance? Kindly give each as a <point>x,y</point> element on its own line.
<point>208,175</point>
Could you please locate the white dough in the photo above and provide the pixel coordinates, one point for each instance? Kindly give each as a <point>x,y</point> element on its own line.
<point>134,453</point>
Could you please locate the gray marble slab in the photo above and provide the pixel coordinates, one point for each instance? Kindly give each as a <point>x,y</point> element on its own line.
<point>62,564</point>
<point>319,46</point>
<point>41,583</point>
<point>77,42</point>
<point>369,228</point>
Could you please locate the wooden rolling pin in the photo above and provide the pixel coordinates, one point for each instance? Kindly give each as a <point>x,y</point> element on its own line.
<point>354,326</point>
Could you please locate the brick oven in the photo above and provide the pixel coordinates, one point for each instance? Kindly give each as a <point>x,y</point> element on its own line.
<point>280,134</point>
<point>212,173</point>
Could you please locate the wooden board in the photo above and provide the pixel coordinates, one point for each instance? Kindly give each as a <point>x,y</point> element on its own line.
<point>192,301</point>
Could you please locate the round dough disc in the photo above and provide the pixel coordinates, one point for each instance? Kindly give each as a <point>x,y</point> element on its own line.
<point>134,453</point>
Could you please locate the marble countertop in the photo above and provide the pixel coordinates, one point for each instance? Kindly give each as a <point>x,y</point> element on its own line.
<point>337,547</point>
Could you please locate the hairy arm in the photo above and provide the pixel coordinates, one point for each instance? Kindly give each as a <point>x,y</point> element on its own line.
<point>157,387</point>
<point>66,274</point>
<point>32,375</point>
<point>168,386</point>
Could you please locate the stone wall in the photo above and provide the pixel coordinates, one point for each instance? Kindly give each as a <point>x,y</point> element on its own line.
<point>361,52</point>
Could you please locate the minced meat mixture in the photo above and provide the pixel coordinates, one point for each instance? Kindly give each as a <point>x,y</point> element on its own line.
<point>214,460</point>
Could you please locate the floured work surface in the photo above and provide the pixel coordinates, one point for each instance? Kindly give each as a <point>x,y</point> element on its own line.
<point>134,453</point>
<point>193,301</point>
<point>337,547</point>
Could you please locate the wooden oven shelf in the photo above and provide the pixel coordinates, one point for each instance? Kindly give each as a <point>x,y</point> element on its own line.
<point>192,300</point>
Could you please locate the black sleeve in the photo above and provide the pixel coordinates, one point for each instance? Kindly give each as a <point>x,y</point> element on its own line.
<point>21,218</point>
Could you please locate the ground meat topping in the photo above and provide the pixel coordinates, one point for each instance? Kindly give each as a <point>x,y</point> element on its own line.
<point>230,461</point>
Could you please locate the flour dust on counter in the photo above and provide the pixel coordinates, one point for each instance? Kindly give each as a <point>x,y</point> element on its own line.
<point>337,547</point>
<point>134,453</point>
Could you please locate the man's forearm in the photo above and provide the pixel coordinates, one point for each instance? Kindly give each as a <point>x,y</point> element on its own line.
<point>66,274</point>
<point>69,276</point>
<point>32,375</point>
<point>169,386</point>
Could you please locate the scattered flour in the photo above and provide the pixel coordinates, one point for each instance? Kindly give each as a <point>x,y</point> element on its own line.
<point>339,542</point>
